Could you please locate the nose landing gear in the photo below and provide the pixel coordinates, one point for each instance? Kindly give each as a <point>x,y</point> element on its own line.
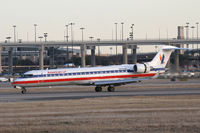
<point>22,89</point>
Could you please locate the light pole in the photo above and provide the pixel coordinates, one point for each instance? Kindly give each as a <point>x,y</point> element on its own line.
<point>82,39</point>
<point>45,36</point>
<point>116,31</point>
<point>91,37</point>
<point>14,26</point>
<point>40,38</point>
<point>67,36</point>
<point>187,30</point>
<point>72,37</point>
<point>82,32</point>
<point>193,35</point>
<point>197,23</point>
<point>122,30</point>
<point>132,31</point>
<point>187,33</point>
<point>35,25</point>
<point>8,38</point>
<point>116,36</point>
<point>186,27</point>
<point>11,52</point>
<point>192,32</point>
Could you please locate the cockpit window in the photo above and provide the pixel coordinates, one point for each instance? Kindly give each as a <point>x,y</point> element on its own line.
<point>27,76</point>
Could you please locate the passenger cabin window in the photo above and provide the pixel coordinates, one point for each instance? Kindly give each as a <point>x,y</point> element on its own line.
<point>27,76</point>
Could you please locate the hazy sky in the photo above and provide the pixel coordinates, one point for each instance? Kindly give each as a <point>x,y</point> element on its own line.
<point>97,16</point>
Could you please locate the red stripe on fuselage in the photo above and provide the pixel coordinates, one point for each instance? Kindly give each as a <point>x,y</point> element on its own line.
<point>84,78</point>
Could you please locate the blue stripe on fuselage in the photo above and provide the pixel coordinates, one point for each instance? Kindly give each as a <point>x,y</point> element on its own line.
<point>157,69</point>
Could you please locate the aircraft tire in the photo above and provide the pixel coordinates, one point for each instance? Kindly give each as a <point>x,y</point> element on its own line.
<point>111,89</point>
<point>23,91</point>
<point>98,89</point>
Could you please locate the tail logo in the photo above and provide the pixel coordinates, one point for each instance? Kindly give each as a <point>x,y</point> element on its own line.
<point>162,58</point>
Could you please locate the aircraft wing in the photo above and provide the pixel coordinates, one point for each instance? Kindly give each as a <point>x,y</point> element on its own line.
<point>118,82</point>
<point>123,81</point>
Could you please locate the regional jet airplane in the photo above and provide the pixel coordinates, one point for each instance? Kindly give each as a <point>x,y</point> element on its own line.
<point>109,76</point>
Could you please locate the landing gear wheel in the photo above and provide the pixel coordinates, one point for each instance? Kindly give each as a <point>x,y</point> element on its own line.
<point>98,88</point>
<point>23,91</point>
<point>111,88</point>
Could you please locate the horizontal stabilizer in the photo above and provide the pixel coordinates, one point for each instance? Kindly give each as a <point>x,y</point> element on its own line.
<point>174,48</point>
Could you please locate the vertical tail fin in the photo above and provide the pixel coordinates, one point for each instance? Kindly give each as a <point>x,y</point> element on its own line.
<point>162,57</point>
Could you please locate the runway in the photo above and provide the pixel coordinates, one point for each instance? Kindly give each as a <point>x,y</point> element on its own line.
<point>47,96</point>
<point>149,88</point>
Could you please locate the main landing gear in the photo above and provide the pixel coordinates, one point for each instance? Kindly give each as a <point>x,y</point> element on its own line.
<point>110,88</point>
<point>98,88</point>
<point>23,90</point>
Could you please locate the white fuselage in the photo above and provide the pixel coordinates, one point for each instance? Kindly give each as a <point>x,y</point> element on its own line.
<point>78,76</point>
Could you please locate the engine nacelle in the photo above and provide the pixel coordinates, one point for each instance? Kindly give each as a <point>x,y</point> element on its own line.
<point>141,68</point>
